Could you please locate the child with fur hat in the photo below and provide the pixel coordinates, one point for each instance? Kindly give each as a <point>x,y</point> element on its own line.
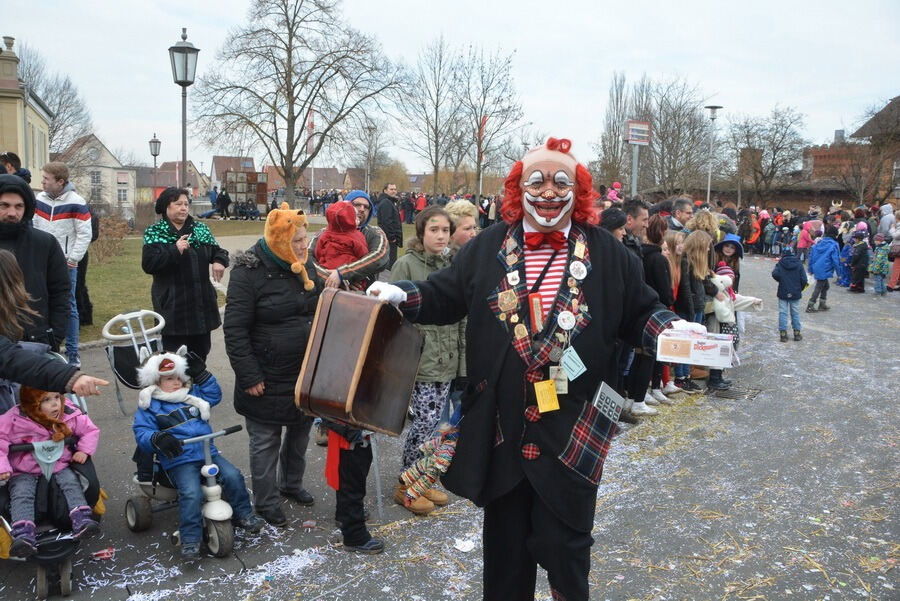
<point>173,405</point>
<point>42,416</point>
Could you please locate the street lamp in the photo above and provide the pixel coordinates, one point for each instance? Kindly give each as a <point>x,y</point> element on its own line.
<point>712,117</point>
<point>370,133</point>
<point>184,67</point>
<point>154,150</point>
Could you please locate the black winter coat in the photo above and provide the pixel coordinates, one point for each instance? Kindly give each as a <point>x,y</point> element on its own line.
<point>43,265</point>
<point>389,219</point>
<point>684,301</point>
<point>267,323</point>
<point>791,277</point>
<point>657,274</point>
<point>46,280</point>
<point>560,453</point>
<point>28,368</point>
<point>695,301</point>
<point>181,291</point>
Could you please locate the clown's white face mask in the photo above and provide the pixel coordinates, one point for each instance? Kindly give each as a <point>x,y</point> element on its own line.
<point>549,195</point>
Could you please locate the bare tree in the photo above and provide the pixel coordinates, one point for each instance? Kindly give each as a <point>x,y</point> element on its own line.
<point>491,107</point>
<point>676,156</point>
<point>679,136</point>
<point>367,144</point>
<point>868,173</point>
<point>71,117</point>
<point>777,147</point>
<point>515,145</point>
<point>460,142</point>
<point>295,62</point>
<point>431,105</point>
<point>612,152</point>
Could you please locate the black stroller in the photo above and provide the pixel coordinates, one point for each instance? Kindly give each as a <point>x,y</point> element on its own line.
<point>55,544</point>
<point>131,334</point>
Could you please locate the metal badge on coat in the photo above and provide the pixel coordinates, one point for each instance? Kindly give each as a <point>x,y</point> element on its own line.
<point>577,269</point>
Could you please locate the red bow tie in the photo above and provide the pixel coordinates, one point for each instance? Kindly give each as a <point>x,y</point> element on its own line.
<point>534,240</point>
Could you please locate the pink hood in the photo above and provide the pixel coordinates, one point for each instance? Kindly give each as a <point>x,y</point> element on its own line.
<point>16,428</point>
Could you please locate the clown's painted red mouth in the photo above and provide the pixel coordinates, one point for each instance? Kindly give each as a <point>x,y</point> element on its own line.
<point>548,209</point>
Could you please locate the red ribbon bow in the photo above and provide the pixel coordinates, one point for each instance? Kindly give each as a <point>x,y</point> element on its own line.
<point>534,240</point>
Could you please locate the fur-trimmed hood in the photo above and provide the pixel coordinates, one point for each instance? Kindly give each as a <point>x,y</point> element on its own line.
<point>179,396</point>
<point>148,373</point>
<point>246,258</point>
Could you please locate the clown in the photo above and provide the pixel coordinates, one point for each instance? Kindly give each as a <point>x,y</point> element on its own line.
<point>547,294</point>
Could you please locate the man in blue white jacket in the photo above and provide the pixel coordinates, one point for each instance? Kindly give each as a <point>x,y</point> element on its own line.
<point>62,212</point>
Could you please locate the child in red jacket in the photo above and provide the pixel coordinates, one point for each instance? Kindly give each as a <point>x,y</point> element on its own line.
<point>341,242</point>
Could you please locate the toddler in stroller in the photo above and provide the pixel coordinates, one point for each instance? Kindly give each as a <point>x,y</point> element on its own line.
<point>173,406</point>
<point>41,414</point>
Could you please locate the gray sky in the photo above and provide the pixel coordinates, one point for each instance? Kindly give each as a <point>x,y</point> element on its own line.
<point>830,59</point>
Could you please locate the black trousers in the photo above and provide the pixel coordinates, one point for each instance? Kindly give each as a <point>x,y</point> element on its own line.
<point>200,343</point>
<point>640,375</point>
<point>349,510</point>
<point>520,532</point>
<point>82,299</point>
<point>392,255</point>
<point>821,290</point>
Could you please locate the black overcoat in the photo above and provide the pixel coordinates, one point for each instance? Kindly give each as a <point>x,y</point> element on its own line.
<point>560,452</point>
<point>268,319</point>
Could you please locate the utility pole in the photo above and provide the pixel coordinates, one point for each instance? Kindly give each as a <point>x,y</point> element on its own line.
<point>712,117</point>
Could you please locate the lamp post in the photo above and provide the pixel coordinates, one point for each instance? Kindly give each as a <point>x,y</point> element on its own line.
<point>370,133</point>
<point>184,67</point>
<point>154,150</point>
<point>712,117</point>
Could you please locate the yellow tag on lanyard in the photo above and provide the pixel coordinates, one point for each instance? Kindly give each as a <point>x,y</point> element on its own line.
<point>545,391</point>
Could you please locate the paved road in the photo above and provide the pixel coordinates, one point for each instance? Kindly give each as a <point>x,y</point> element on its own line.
<point>788,493</point>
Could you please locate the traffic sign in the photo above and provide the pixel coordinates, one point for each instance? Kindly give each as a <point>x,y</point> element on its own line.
<point>637,132</point>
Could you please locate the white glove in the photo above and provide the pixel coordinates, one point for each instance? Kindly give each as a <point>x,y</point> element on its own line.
<point>681,325</point>
<point>387,292</point>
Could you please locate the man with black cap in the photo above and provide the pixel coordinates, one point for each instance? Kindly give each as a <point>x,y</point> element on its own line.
<point>41,260</point>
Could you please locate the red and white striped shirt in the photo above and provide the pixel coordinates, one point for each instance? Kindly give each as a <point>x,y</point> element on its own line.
<point>535,260</point>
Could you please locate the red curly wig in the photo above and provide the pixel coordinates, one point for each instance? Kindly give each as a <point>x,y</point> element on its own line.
<point>584,211</point>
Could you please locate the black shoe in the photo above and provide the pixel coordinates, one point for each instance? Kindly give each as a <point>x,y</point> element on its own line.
<point>251,523</point>
<point>717,385</point>
<point>275,516</point>
<point>302,497</point>
<point>691,386</point>
<point>798,336</point>
<point>371,547</point>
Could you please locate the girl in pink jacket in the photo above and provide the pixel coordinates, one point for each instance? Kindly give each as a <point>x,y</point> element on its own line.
<point>43,416</point>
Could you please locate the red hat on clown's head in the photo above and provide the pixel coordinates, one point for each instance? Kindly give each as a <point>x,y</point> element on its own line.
<point>554,154</point>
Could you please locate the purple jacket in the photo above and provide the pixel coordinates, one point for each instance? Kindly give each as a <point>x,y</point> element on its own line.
<point>17,428</point>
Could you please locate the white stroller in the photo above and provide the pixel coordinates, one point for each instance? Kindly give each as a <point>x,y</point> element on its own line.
<point>158,493</point>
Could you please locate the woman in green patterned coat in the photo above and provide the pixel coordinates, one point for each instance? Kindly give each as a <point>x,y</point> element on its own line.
<point>179,253</point>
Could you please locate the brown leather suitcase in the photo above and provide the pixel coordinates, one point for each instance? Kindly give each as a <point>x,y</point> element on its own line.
<point>360,364</point>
